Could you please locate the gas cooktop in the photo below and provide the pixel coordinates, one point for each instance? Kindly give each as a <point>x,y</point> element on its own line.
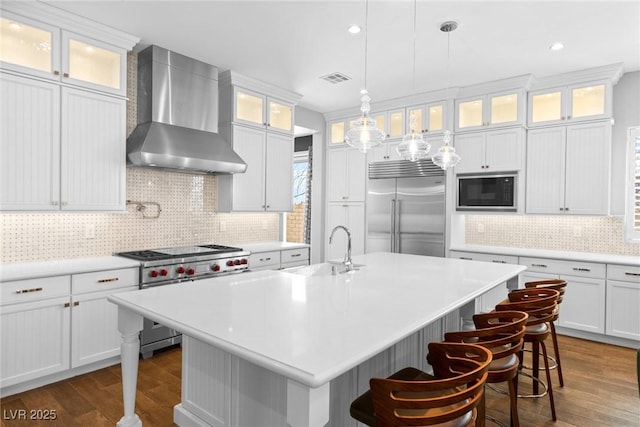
<point>178,252</point>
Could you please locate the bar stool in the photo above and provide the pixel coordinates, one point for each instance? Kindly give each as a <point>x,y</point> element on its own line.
<point>502,332</point>
<point>558,285</point>
<point>412,397</point>
<point>540,305</point>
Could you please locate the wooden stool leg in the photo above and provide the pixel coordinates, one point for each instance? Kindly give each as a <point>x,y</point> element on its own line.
<point>549,386</point>
<point>535,357</point>
<point>556,351</point>
<point>482,410</point>
<point>513,400</point>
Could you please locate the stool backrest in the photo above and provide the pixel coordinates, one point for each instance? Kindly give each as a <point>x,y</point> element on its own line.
<point>539,303</point>
<point>461,371</point>
<point>555,284</point>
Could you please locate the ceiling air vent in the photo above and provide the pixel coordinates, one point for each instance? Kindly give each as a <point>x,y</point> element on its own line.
<point>335,78</point>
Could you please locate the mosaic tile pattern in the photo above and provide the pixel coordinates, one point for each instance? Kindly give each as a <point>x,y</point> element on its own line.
<point>595,234</point>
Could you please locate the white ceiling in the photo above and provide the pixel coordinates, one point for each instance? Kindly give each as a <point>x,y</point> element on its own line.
<point>292,44</point>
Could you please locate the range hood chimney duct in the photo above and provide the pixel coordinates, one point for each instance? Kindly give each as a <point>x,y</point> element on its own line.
<point>178,116</point>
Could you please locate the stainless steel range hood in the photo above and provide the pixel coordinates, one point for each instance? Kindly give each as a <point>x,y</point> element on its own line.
<point>178,116</point>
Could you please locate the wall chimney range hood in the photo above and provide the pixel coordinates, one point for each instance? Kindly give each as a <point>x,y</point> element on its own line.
<point>178,116</point>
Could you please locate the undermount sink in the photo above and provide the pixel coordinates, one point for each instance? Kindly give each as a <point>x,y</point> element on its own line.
<point>325,269</point>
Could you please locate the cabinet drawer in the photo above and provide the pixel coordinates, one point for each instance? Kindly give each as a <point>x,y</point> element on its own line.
<point>500,259</point>
<point>572,268</point>
<point>104,280</point>
<point>264,259</point>
<point>625,273</point>
<point>294,264</point>
<point>35,289</point>
<point>294,255</point>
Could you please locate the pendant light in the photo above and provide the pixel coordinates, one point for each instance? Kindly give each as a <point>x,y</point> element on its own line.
<point>364,134</point>
<point>446,157</point>
<point>413,146</point>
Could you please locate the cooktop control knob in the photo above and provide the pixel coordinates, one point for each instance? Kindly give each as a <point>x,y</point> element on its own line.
<point>236,262</point>
<point>230,263</point>
<point>191,271</point>
<point>164,272</point>
<point>153,273</point>
<point>215,267</point>
<point>244,261</point>
<point>180,270</point>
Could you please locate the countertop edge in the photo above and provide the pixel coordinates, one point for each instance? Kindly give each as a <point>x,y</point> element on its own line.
<point>545,253</point>
<point>40,269</point>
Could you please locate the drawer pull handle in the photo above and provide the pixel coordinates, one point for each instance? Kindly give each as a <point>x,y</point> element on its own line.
<point>539,265</point>
<point>295,255</point>
<point>581,269</point>
<point>265,259</point>
<point>112,279</point>
<point>632,274</point>
<point>464,257</point>
<point>26,291</point>
<point>499,261</point>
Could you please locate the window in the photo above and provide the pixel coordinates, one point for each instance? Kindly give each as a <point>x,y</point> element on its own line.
<point>633,186</point>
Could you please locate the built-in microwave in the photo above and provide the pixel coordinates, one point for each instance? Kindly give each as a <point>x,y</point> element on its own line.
<point>487,192</point>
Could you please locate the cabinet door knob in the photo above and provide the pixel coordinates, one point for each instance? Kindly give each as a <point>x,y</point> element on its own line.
<point>76,303</point>
<point>65,75</point>
<point>568,117</point>
<point>66,305</point>
<point>56,72</point>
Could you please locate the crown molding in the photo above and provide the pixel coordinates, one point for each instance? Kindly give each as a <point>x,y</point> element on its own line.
<point>611,72</point>
<point>233,78</point>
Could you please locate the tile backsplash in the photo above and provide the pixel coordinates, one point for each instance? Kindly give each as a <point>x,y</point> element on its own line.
<point>187,216</point>
<point>595,234</point>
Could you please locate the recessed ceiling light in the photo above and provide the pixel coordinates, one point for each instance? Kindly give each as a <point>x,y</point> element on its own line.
<point>556,46</point>
<point>354,29</point>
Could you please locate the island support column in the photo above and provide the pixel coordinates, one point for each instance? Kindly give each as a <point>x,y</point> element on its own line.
<point>307,407</point>
<point>129,325</point>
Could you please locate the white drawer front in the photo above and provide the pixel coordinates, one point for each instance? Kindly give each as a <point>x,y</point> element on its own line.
<point>294,255</point>
<point>34,289</point>
<point>264,259</point>
<point>104,280</point>
<point>500,259</point>
<point>625,273</point>
<point>572,268</point>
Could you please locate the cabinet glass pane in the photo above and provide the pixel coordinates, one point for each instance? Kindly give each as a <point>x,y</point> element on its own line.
<point>587,101</point>
<point>436,119</point>
<point>470,113</point>
<point>93,64</point>
<point>396,124</point>
<point>337,133</point>
<point>379,119</point>
<point>417,115</point>
<point>546,106</point>
<point>504,108</point>
<point>26,46</point>
<point>249,107</point>
<point>280,116</point>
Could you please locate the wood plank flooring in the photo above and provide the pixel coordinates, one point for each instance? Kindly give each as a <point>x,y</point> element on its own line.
<point>600,390</point>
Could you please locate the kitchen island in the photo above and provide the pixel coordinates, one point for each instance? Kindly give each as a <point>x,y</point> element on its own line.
<point>274,348</point>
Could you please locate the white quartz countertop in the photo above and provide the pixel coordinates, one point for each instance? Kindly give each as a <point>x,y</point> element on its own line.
<point>34,270</point>
<point>543,253</point>
<point>270,246</point>
<point>312,326</point>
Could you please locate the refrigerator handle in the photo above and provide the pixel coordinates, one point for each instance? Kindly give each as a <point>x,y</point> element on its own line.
<point>396,227</point>
<point>392,226</point>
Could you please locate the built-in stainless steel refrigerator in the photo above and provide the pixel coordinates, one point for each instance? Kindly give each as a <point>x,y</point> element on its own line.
<point>406,208</point>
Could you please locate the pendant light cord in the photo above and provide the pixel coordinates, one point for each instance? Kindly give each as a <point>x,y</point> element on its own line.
<point>415,12</point>
<point>366,36</point>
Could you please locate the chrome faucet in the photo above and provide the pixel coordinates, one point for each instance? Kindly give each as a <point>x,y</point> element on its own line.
<point>347,260</point>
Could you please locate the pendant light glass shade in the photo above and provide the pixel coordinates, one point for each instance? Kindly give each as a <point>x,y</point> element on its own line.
<point>413,146</point>
<point>446,157</point>
<point>364,134</point>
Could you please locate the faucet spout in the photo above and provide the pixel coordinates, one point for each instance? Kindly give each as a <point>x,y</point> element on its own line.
<point>347,258</point>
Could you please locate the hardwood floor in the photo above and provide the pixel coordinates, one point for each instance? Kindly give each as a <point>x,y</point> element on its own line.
<point>600,390</point>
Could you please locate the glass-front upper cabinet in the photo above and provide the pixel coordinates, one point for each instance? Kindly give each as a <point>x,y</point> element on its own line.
<point>338,130</point>
<point>29,46</point>
<point>391,123</point>
<point>428,118</point>
<point>254,108</point>
<point>87,62</point>
<point>587,101</point>
<point>489,111</point>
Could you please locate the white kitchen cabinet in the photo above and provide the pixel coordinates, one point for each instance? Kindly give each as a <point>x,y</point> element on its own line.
<point>73,155</point>
<point>497,109</point>
<point>573,103</point>
<point>279,259</point>
<point>491,151</point>
<point>384,152</point>
<point>583,304</point>
<point>391,123</point>
<point>32,47</point>
<point>623,301</point>
<point>488,301</point>
<point>29,144</point>
<point>350,215</point>
<point>266,184</point>
<point>257,109</point>
<point>35,317</point>
<point>429,118</point>
<point>568,169</point>
<point>346,175</point>
<point>337,130</point>
<point>94,320</point>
